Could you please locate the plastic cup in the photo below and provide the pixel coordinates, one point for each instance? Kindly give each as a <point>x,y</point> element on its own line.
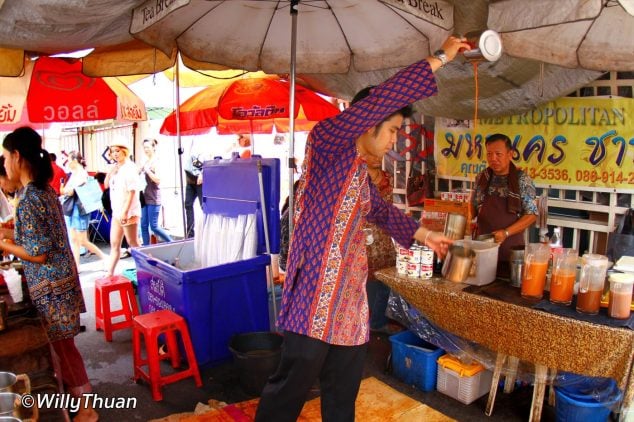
<point>620,302</point>
<point>536,257</point>
<point>15,288</point>
<point>563,275</point>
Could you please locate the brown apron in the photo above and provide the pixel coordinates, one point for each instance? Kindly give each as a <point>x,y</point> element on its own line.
<point>493,215</point>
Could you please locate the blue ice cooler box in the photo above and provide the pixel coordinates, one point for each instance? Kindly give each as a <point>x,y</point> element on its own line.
<point>217,302</point>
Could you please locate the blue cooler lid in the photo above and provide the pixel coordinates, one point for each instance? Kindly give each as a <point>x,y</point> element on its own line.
<point>231,187</point>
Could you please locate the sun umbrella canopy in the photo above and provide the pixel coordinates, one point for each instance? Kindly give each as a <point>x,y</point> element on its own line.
<point>55,90</point>
<point>332,36</point>
<point>513,85</point>
<point>591,34</point>
<point>249,105</point>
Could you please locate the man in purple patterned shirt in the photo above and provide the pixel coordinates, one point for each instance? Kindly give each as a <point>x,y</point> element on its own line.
<point>324,310</point>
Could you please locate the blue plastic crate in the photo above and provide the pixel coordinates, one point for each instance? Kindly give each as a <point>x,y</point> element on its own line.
<point>217,302</point>
<point>414,360</point>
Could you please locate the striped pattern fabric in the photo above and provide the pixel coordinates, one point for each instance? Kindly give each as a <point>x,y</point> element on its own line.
<point>324,291</point>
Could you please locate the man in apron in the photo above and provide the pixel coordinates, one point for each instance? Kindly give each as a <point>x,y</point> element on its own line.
<point>504,200</point>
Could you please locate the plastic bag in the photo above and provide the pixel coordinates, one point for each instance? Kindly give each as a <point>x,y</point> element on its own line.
<point>418,188</point>
<point>89,195</point>
<point>621,241</point>
<point>68,203</point>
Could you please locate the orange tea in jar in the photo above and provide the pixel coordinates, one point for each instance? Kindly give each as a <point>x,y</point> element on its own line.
<point>561,287</point>
<point>589,301</point>
<point>534,279</point>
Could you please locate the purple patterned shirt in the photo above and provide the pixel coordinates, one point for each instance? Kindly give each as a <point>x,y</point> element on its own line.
<point>324,291</point>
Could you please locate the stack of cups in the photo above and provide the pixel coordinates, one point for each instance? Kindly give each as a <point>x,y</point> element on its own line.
<point>14,284</point>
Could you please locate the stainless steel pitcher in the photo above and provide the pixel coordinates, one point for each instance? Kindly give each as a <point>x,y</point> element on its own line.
<point>460,263</point>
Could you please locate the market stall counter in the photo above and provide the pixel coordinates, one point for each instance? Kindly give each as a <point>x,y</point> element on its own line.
<point>513,328</point>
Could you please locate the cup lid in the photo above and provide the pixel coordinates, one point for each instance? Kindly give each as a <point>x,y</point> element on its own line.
<point>490,45</point>
<point>623,278</point>
<point>594,259</point>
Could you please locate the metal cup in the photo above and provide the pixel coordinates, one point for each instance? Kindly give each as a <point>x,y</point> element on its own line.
<point>455,226</point>
<point>9,404</point>
<point>484,46</point>
<point>458,264</point>
<point>9,381</point>
<point>517,267</point>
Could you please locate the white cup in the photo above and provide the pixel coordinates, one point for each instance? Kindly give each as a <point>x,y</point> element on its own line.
<point>14,284</point>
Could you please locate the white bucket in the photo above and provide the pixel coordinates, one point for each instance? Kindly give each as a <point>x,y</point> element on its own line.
<point>486,257</point>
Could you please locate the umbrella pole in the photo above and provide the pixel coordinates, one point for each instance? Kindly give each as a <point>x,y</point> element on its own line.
<point>252,138</point>
<point>271,284</point>
<point>291,113</point>
<point>179,140</point>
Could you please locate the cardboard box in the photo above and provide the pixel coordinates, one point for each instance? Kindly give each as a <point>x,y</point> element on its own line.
<point>435,213</point>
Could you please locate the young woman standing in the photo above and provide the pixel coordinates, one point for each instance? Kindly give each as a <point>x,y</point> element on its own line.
<point>152,195</point>
<point>41,242</point>
<point>78,222</point>
<point>123,181</point>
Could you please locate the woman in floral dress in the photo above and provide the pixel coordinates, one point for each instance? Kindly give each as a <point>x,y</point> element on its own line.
<point>41,242</point>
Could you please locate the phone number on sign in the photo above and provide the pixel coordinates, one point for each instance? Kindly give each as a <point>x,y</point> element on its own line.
<point>581,175</point>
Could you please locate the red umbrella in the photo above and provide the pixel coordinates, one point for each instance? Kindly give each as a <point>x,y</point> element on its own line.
<point>56,90</point>
<point>248,105</point>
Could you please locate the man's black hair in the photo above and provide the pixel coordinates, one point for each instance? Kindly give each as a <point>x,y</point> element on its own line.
<point>499,137</point>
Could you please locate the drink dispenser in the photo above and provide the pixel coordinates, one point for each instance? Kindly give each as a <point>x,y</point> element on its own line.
<point>591,280</point>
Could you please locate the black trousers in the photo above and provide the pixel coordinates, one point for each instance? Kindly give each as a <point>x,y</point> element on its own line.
<point>191,193</point>
<point>304,360</point>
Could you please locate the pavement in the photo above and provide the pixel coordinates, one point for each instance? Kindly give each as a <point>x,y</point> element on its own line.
<point>110,369</point>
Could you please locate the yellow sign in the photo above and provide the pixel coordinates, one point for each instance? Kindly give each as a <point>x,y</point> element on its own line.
<point>570,142</point>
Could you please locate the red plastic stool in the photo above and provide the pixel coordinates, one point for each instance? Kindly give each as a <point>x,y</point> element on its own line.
<point>104,315</point>
<point>151,326</point>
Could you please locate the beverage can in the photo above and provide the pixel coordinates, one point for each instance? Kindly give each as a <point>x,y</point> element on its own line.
<point>402,254</point>
<point>415,254</point>
<point>426,271</point>
<point>426,255</point>
<point>413,269</point>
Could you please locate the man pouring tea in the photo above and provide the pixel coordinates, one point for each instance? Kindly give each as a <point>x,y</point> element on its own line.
<point>504,199</point>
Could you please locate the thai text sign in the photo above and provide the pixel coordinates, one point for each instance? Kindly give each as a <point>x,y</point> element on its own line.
<point>568,142</point>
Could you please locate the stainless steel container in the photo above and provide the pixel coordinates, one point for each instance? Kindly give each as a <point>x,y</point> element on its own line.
<point>516,261</point>
<point>485,46</point>
<point>459,264</point>
<point>9,404</point>
<point>455,226</point>
<point>517,269</point>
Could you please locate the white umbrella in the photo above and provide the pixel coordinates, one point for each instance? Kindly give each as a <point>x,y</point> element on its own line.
<point>590,34</point>
<point>332,37</point>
